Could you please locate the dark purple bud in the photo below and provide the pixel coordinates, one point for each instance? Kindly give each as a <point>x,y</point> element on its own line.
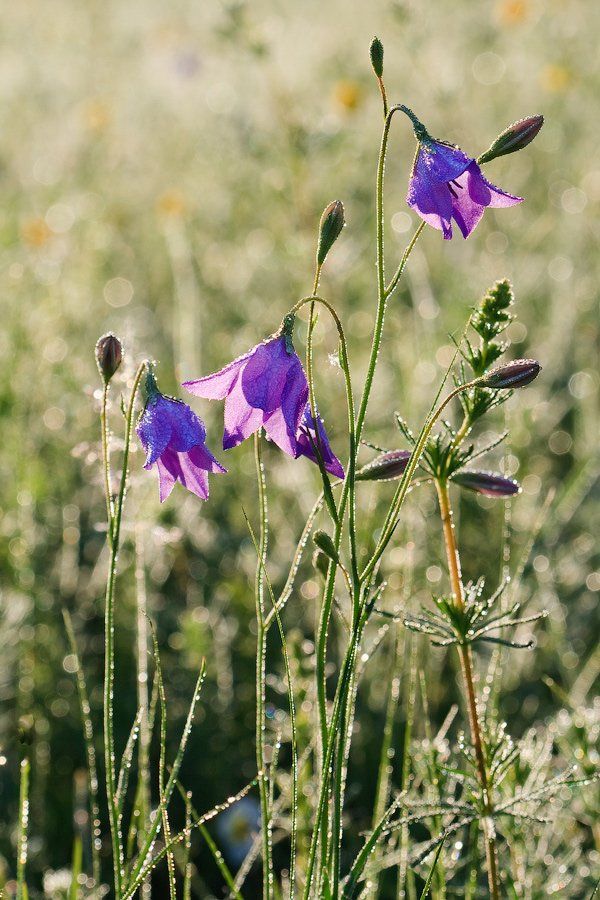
<point>326,545</point>
<point>330,226</point>
<point>376,52</point>
<point>109,355</point>
<point>513,138</point>
<point>512,375</point>
<point>490,484</point>
<point>385,467</point>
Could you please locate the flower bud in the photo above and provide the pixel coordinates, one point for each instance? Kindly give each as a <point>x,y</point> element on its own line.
<point>376,52</point>
<point>385,467</point>
<point>326,545</point>
<point>320,562</point>
<point>512,375</point>
<point>513,138</point>
<point>109,355</point>
<point>330,226</point>
<point>490,484</point>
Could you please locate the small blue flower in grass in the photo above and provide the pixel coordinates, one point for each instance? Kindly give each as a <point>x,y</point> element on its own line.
<point>174,440</point>
<point>238,828</point>
<point>447,184</point>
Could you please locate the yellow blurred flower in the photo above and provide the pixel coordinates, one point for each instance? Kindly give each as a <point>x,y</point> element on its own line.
<point>171,203</point>
<point>35,232</point>
<point>96,115</point>
<point>511,12</point>
<point>555,78</point>
<point>347,95</point>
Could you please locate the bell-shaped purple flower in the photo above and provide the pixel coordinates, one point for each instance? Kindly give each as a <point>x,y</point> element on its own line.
<point>266,388</point>
<point>174,440</point>
<point>447,184</point>
<point>307,443</point>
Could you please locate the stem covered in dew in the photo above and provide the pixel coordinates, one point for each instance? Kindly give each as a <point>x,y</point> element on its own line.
<point>466,662</point>
<point>115,517</point>
<point>261,654</point>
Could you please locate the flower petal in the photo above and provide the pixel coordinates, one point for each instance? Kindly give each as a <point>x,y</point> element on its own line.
<point>433,202</point>
<point>264,376</point>
<point>307,442</point>
<point>187,429</point>
<point>240,419</point>
<point>166,480</point>
<point>282,425</point>
<point>440,162</point>
<point>219,384</point>
<point>154,430</point>
<point>203,459</point>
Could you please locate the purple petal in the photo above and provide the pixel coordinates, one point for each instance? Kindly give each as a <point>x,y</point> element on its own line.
<point>282,425</point>
<point>472,193</point>
<point>219,384</point>
<point>187,429</point>
<point>240,419</point>
<point>307,441</point>
<point>265,374</point>
<point>440,162</point>
<point>203,459</point>
<point>432,201</point>
<point>154,431</point>
<point>180,467</point>
<point>166,480</point>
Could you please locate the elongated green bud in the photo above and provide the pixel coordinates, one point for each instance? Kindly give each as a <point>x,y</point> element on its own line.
<point>376,52</point>
<point>330,227</point>
<point>513,138</point>
<point>326,545</point>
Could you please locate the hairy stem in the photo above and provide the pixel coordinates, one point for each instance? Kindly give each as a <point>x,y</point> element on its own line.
<point>114,533</point>
<point>466,662</point>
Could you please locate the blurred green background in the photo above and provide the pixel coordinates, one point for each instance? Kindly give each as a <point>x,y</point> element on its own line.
<point>163,170</point>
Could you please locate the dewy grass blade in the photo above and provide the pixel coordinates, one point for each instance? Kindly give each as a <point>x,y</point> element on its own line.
<point>427,886</point>
<point>90,750</point>
<point>126,761</point>
<point>358,867</point>
<point>137,874</point>
<point>22,843</point>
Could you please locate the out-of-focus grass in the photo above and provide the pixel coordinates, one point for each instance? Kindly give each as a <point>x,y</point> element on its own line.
<point>162,175</point>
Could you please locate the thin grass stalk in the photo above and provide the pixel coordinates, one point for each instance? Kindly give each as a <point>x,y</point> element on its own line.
<point>187,862</point>
<point>142,803</point>
<point>466,661</point>
<point>22,843</point>
<point>90,750</point>
<point>114,532</point>
<point>410,693</point>
<point>261,653</point>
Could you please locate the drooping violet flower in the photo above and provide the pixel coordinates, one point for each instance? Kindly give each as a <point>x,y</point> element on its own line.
<point>307,443</point>
<point>173,437</point>
<point>265,387</point>
<point>447,184</point>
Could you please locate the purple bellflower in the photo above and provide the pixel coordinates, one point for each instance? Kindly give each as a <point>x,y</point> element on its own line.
<point>173,437</point>
<point>447,184</point>
<point>265,387</point>
<point>308,443</point>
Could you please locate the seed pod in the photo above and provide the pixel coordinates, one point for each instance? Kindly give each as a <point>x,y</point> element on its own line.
<point>385,467</point>
<point>330,226</point>
<point>326,545</point>
<point>512,375</point>
<point>109,355</point>
<point>513,138</point>
<point>489,484</point>
<point>376,52</point>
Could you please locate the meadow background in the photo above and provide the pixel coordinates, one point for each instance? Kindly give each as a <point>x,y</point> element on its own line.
<point>162,172</point>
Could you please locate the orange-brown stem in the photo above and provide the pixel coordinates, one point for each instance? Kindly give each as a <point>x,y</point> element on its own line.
<point>466,663</point>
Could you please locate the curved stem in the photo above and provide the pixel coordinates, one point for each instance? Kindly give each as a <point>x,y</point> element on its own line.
<point>466,662</point>
<point>261,653</point>
<point>114,536</point>
<point>398,273</point>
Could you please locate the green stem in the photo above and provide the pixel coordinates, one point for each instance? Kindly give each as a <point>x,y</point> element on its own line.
<point>261,652</point>
<point>22,835</point>
<point>109,637</point>
<point>110,512</point>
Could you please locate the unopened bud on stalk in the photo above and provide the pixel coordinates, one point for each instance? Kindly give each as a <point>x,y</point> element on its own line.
<point>330,226</point>
<point>512,375</point>
<point>376,52</point>
<point>385,467</point>
<point>489,484</point>
<point>513,138</point>
<point>321,562</point>
<point>109,355</point>
<point>326,545</point>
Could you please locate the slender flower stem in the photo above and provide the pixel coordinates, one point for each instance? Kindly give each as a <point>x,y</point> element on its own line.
<point>466,662</point>
<point>114,533</point>
<point>110,512</point>
<point>261,652</point>
<point>22,834</point>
